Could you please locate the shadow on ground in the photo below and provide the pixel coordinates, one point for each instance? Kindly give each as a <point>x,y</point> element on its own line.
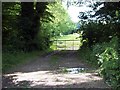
<point>49,71</point>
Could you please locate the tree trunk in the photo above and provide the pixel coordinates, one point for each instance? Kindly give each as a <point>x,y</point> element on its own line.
<point>30,23</point>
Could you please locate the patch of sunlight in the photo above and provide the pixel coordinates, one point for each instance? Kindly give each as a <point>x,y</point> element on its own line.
<point>49,78</point>
<point>74,36</point>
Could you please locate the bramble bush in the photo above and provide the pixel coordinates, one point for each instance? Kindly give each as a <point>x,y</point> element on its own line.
<point>105,56</point>
<point>110,64</point>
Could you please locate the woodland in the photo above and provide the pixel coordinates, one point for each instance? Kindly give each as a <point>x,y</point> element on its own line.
<point>28,27</point>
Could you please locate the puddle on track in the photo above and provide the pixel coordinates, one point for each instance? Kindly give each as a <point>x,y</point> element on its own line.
<point>73,70</point>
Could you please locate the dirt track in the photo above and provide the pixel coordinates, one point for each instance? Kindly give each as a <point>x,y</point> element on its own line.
<point>46,72</point>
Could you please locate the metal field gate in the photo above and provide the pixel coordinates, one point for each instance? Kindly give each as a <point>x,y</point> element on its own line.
<point>66,44</point>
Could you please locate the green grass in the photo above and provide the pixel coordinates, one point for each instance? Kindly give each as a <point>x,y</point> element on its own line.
<point>74,36</point>
<point>10,60</point>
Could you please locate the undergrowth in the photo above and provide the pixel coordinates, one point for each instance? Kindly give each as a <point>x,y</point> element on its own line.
<point>105,56</point>
<point>11,59</point>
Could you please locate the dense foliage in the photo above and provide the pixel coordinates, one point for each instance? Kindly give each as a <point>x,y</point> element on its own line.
<point>10,14</point>
<point>101,41</point>
<point>105,56</point>
<point>61,23</point>
<point>109,62</point>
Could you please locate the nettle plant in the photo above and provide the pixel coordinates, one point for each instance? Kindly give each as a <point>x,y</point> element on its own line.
<point>110,64</point>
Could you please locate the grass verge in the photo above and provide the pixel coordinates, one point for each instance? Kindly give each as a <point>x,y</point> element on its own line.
<point>10,60</point>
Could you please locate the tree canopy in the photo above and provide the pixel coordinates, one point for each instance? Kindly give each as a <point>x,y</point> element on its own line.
<point>30,25</point>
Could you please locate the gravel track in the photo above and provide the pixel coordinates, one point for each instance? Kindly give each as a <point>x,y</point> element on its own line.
<point>45,72</point>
